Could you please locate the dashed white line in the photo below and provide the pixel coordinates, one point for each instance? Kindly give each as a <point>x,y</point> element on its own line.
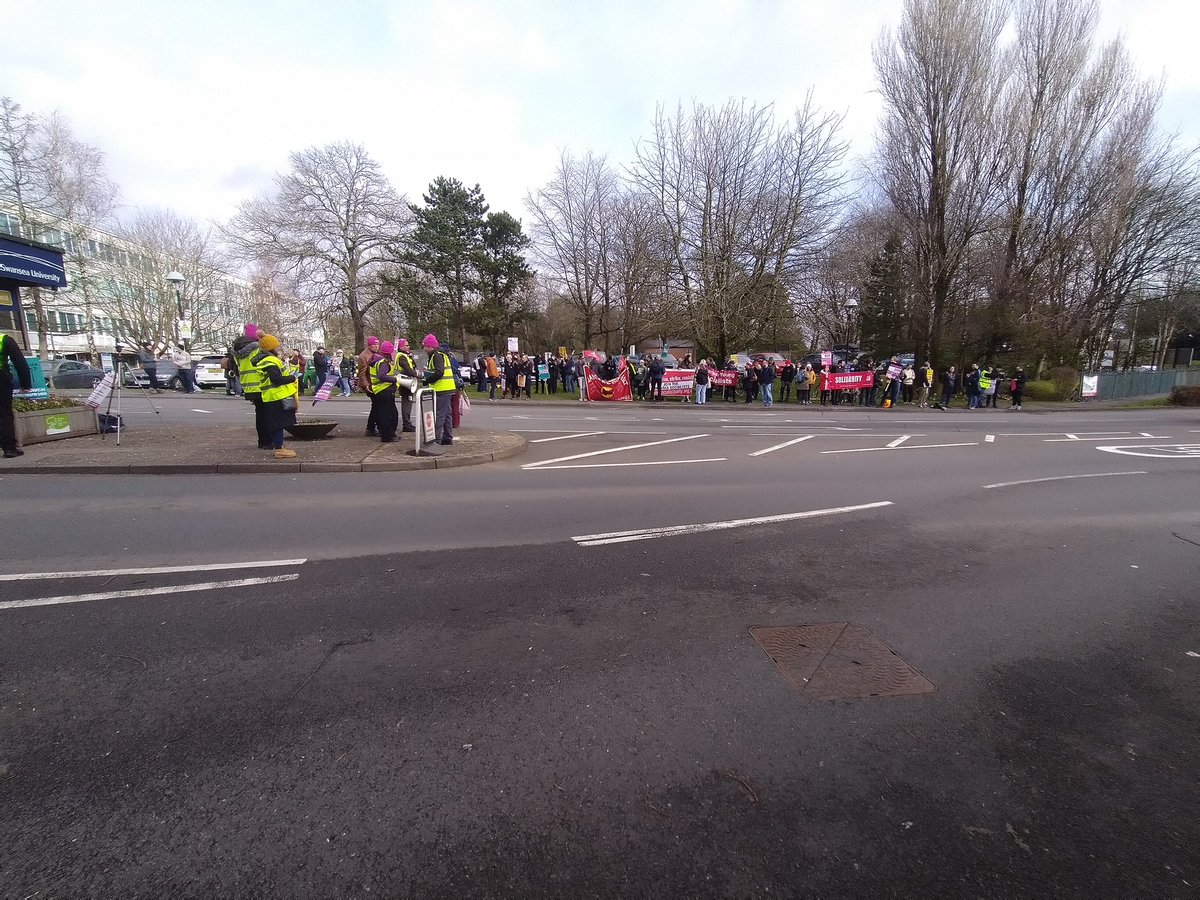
<point>906,447</point>
<point>145,592</point>
<point>207,412</point>
<point>660,462</point>
<point>645,534</point>
<point>1058,478</point>
<point>155,570</point>
<point>548,462</point>
<point>566,437</point>
<point>799,440</point>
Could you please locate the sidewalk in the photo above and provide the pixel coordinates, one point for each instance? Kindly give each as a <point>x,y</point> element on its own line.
<point>161,449</point>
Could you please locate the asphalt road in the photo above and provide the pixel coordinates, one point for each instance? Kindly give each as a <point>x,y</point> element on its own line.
<point>478,682</point>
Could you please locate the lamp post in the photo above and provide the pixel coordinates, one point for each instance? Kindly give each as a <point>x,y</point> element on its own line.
<point>852,315</point>
<point>183,327</point>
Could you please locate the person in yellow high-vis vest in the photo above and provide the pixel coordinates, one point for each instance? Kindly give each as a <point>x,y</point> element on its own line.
<point>406,371</point>
<point>247,356</point>
<point>11,353</point>
<point>439,375</point>
<point>381,382</point>
<point>278,395</point>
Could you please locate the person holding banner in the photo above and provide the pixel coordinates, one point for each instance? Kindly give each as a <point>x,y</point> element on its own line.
<point>439,375</point>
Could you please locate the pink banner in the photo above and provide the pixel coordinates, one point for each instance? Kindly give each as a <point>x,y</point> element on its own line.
<point>678,382</point>
<point>847,381</point>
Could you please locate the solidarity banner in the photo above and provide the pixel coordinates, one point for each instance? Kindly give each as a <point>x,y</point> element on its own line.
<point>678,382</point>
<point>597,388</point>
<point>848,381</point>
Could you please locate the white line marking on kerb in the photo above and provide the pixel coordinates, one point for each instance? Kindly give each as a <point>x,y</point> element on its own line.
<point>1058,478</point>
<point>562,459</point>
<point>799,440</point>
<point>645,534</point>
<point>146,592</point>
<point>156,570</point>
<point>566,437</point>
<point>661,462</point>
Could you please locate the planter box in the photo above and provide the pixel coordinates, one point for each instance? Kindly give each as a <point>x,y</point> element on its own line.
<point>54,424</point>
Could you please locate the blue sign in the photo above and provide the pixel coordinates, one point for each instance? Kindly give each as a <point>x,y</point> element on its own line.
<point>33,264</point>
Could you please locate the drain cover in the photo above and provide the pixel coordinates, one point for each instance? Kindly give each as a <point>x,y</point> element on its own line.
<point>839,661</point>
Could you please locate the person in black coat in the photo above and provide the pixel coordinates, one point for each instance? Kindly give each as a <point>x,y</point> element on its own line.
<point>10,354</point>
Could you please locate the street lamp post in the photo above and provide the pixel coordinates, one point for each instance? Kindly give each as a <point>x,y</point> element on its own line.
<point>852,309</point>
<point>183,327</point>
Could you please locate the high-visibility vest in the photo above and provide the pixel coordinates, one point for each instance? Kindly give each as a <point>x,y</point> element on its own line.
<point>248,372</point>
<point>985,379</point>
<point>446,382</point>
<point>378,386</point>
<point>272,392</point>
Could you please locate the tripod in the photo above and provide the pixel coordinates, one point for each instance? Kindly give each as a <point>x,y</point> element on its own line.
<point>120,369</point>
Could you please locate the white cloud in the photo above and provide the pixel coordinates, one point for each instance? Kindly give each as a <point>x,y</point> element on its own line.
<point>198,106</point>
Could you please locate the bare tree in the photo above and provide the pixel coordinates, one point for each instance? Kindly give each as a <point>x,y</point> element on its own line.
<point>572,231</point>
<point>329,225</point>
<point>744,206</point>
<point>942,76</point>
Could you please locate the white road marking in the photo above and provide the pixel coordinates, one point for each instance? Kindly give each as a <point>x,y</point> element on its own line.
<point>145,592</point>
<point>907,447</point>
<point>562,459</point>
<point>989,439</point>
<point>799,440</point>
<point>645,534</point>
<point>898,441</point>
<point>156,570</point>
<point>207,412</point>
<point>661,462</point>
<point>1072,439</point>
<point>1165,451</point>
<point>1058,478</point>
<point>561,430</point>
<point>567,437</point>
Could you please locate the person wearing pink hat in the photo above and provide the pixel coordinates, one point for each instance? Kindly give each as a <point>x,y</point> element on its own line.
<point>363,366</point>
<point>440,375</point>
<point>383,392</point>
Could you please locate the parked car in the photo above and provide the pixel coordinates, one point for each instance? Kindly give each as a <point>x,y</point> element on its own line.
<point>167,374</point>
<point>70,373</point>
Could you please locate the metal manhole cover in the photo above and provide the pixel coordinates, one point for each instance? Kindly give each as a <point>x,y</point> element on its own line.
<point>839,661</point>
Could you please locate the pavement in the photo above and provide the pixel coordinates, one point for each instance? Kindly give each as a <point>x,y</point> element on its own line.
<point>173,448</point>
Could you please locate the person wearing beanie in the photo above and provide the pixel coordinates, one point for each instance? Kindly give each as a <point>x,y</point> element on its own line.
<point>407,380</point>
<point>383,393</point>
<point>440,375</point>
<point>364,379</point>
<point>248,336</point>
<point>278,395</point>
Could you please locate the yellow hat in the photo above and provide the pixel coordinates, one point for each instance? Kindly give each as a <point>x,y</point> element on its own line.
<point>268,342</point>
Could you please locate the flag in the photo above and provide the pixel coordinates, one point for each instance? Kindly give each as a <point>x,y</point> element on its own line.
<point>597,388</point>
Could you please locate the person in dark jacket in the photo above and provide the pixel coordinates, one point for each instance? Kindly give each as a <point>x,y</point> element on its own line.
<point>1017,387</point>
<point>786,377</point>
<point>766,382</point>
<point>10,354</point>
<point>657,368</point>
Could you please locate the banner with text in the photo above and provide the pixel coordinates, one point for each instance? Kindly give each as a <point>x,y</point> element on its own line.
<point>848,381</point>
<point>597,388</point>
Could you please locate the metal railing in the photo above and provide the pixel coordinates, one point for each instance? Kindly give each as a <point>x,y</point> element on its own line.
<point>1120,385</point>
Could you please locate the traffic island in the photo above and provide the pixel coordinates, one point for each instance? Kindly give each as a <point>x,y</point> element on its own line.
<point>230,449</point>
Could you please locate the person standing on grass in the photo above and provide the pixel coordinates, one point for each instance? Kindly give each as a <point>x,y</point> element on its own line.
<point>766,382</point>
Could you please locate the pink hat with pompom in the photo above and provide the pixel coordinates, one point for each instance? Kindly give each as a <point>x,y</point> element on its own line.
<point>372,341</point>
<point>430,341</point>
<point>386,348</point>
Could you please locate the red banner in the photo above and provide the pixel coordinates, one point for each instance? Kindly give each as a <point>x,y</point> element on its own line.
<point>678,382</point>
<point>847,381</point>
<point>597,388</point>
<point>722,378</point>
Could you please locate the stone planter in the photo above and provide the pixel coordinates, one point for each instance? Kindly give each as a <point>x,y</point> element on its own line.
<point>40,425</point>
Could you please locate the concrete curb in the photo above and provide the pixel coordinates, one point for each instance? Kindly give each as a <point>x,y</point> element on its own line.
<point>519,444</point>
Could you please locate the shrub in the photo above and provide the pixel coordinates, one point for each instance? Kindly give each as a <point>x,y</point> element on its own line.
<point>1066,380</point>
<point>1188,395</point>
<point>54,402</point>
<point>1041,390</point>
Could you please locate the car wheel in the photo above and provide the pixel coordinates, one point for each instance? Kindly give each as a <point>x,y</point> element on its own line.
<point>95,381</point>
<point>174,383</point>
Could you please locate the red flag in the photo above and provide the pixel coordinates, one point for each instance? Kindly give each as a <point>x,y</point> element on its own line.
<point>597,388</point>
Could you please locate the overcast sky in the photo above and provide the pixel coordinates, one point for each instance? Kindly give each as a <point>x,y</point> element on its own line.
<point>197,105</point>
